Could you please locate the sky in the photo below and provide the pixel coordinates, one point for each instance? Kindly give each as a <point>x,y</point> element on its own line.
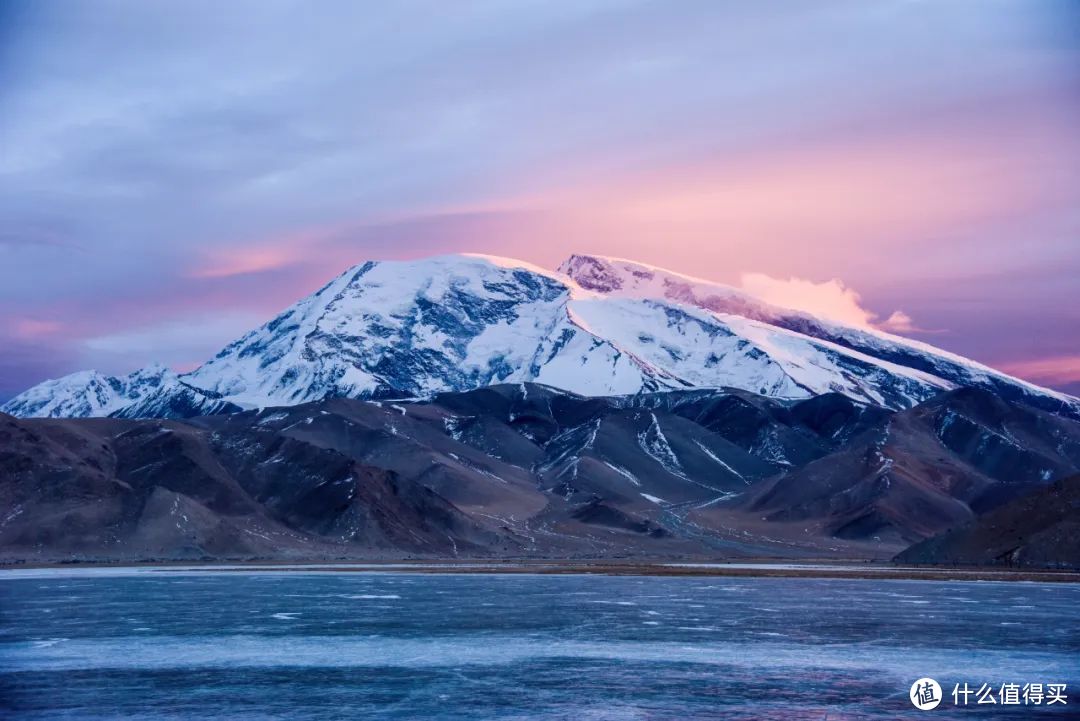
<point>174,174</point>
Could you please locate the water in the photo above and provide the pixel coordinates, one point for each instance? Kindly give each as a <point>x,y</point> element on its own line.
<point>301,645</point>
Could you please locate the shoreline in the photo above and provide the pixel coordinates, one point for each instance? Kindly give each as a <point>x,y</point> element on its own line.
<point>600,567</point>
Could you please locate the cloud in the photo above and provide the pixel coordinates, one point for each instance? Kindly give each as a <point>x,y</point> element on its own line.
<point>33,328</point>
<point>242,261</point>
<point>1055,370</point>
<point>831,300</point>
<point>180,341</point>
<point>277,251</point>
<point>901,323</point>
<point>26,362</point>
<point>35,237</point>
<point>898,322</point>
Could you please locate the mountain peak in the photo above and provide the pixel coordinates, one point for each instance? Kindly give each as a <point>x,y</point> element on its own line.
<point>631,278</point>
<point>89,393</point>
<point>460,262</point>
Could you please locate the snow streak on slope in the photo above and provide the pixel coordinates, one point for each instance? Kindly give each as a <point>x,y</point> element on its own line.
<point>655,444</point>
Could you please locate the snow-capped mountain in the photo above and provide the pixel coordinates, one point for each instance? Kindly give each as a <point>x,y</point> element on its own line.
<point>623,278</point>
<point>88,393</point>
<point>452,323</point>
<point>147,392</point>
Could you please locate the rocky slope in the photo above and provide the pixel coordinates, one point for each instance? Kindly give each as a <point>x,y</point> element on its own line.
<point>524,470</point>
<point>925,469</point>
<point>1040,529</point>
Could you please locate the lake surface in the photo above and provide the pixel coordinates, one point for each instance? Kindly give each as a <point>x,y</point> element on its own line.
<point>301,645</point>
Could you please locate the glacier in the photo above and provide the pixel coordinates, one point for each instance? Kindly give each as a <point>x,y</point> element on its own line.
<point>596,326</point>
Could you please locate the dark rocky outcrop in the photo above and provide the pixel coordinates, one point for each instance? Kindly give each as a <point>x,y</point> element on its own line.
<point>1040,529</point>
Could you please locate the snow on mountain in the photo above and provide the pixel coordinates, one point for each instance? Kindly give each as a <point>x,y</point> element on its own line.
<point>154,391</point>
<point>397,329</point>
<point>88,393</point>
<point>451,323</point>
<point>618,277</point>
<point>177,399</point>
<point>696,348</point>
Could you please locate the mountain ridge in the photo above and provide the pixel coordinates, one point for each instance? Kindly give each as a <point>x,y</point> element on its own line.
<point>523,470</point>
<point>620,276</point>
<point>450,323</point>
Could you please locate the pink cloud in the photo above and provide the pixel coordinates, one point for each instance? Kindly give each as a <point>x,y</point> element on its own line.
<point>831,300</point>
<point>274,252</point>
<point>241,261</point>
<point>893,199</point>
<point>33,328</point>
<point>1055,370</point>
<point>898,322</point>
<point>901,323</point>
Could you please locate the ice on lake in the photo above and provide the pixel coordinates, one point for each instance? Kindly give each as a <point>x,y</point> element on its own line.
<point>297,645</point>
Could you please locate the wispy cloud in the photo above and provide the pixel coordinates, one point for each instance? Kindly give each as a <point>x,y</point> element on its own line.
<point>898,322</point>
<point>1058,370</point>
<point>33,328</point>
<point>830,299</point>
<point>243,261</point>
<point>182,342</point>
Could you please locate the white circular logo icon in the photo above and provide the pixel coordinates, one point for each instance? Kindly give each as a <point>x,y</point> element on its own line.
<point>925,694</point>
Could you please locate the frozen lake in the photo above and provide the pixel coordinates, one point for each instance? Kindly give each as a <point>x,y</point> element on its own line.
<point>302,645</point>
